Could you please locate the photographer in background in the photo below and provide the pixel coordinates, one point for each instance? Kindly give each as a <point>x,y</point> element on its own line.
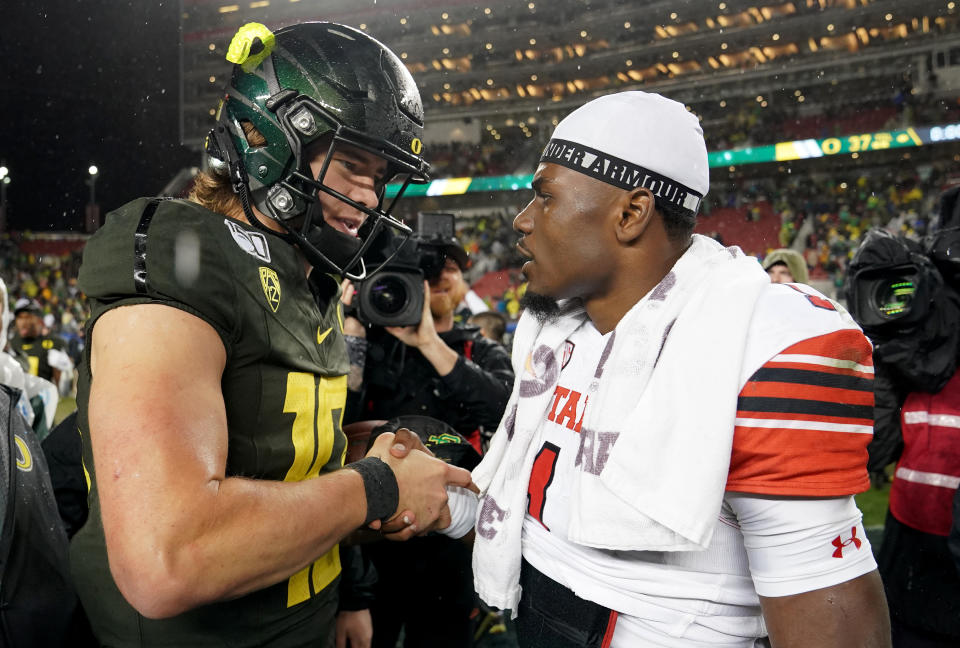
<point>438,368</point>
<point>904,295</point>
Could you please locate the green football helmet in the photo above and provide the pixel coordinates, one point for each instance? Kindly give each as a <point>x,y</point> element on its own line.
<point>296,86</point>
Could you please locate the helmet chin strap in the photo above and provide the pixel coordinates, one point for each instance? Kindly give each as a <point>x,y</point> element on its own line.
<point>333,245</point>
<point>329,249</point>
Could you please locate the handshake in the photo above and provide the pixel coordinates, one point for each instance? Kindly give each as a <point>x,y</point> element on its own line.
<point>421,489</point>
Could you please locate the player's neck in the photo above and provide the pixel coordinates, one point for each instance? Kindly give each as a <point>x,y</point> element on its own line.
<point>638,275</point>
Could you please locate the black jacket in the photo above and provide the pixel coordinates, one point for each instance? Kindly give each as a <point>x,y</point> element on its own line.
<point>398,380</point>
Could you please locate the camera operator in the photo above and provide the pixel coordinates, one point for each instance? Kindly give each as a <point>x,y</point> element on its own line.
<point>443,369</point>
<point>438,366</point>
<point>904,295</point>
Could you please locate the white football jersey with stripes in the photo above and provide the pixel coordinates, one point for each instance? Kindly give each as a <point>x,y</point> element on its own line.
<point>804,418</point>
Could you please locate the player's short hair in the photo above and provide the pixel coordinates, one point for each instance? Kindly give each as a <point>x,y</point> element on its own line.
<point>493,321</point>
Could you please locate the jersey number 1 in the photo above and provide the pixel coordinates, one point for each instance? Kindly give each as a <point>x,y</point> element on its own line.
<point>541,476</point>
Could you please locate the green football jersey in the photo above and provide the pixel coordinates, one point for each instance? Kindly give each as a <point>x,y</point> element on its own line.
<point>37,351</point>
<point>284,387</point>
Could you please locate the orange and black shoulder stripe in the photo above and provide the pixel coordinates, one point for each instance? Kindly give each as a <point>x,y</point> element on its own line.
<point>804,420</point>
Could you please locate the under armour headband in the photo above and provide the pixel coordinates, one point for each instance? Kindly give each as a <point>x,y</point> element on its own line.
<point>636,139</point>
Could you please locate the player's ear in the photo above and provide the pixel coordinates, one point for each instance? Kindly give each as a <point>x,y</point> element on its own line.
<point>638,209</point>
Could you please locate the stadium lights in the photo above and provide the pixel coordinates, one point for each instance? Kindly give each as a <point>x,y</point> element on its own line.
<point>4,181</point>
<point>92,181</point>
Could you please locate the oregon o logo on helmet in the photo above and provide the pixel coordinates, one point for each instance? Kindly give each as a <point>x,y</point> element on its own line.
<point>416,146</point>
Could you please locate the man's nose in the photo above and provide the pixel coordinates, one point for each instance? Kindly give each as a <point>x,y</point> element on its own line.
<point>523,222</point>
<point>364,194</point>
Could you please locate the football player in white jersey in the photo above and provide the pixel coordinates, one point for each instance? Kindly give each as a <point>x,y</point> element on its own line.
<point>678,461</point>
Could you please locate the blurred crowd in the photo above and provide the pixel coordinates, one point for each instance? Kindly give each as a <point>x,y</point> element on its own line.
<point>824,216</point>
<point>51,281</point>
<point>821,216</point>
<point>732,124</point>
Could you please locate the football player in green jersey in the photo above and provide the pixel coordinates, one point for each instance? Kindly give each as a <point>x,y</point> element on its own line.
<point>214,380</point>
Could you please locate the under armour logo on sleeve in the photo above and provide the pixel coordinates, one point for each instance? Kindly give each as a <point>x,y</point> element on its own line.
<point>840,543</point>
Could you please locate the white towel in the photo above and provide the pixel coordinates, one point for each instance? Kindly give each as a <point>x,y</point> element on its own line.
<point>665,395</point>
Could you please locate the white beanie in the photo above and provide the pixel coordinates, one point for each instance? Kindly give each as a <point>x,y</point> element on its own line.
<point>636,139</point>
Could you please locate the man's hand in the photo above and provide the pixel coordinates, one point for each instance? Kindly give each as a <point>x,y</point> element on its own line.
<point>424,337</point>
<point>354,629</point>
<point>422,480</point>
<point>405,440</point>
<point>424,333</point>
<point>399,527</point>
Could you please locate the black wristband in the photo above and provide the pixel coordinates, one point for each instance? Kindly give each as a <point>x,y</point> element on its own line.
<point>380,485</point>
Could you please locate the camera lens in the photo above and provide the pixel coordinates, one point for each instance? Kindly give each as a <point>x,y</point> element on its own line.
<point>388,295</point>
<point>894,297</point>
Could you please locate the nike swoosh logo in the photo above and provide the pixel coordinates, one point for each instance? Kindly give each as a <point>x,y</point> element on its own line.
<point>323,336</point>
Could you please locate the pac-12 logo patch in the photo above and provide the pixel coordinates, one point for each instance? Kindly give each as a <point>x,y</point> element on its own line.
<point>271,287</point>
<point>567,352</point>
<point>253,243</point>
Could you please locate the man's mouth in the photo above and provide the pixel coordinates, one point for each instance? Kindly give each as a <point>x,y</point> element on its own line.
<point>523,250</point>
<point>346,225</point>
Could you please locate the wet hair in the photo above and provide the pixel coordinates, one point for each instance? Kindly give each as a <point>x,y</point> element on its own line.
<point>213,190</point>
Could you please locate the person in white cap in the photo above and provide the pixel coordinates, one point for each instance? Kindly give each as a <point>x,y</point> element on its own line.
<point>677,463</point>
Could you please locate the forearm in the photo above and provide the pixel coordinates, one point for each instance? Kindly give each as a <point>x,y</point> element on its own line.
<point>849,614</point>
<point>463,512</point>
<point>229,538</point>
<point>440,356</point>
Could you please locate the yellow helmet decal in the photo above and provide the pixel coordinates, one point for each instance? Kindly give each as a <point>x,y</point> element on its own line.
<point>416,146</point>
<point>250,45</point>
